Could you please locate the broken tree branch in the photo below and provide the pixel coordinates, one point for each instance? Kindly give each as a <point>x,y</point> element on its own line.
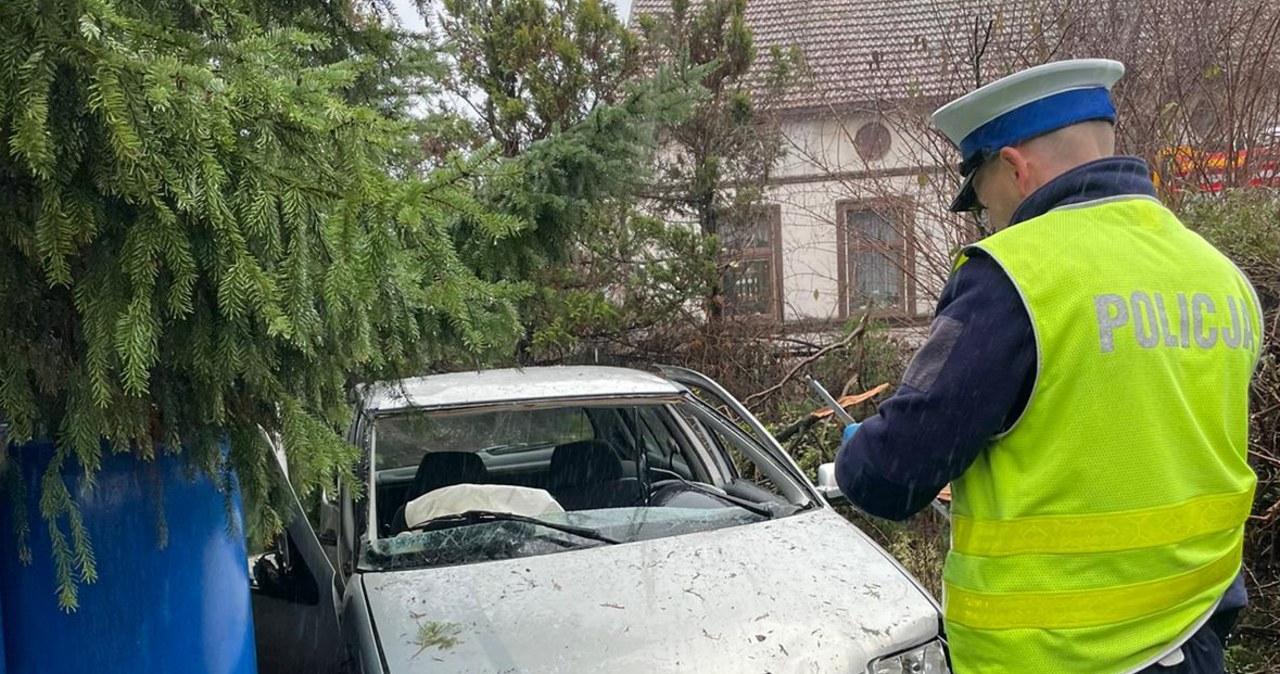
<point>814,417</point>
<point>848,339</point>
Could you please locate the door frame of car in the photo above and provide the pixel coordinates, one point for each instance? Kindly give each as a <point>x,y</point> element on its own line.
<point>696,382</point>
<point>298,552</point>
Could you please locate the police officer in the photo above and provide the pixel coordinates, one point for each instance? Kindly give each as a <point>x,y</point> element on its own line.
<point>1085,390</point>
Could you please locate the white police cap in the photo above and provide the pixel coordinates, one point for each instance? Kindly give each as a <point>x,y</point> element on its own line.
<point>1023,106</point>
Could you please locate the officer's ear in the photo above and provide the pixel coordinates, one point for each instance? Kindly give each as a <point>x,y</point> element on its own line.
<point>1019,166</point>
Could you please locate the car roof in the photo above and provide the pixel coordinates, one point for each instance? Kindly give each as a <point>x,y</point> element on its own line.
<point>530,384</point>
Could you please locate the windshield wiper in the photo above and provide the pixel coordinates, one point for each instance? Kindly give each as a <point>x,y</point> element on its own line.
<point>482,516</point>
<point>757,508</point>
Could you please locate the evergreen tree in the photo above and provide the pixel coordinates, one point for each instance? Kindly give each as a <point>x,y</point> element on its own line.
<point>715,162</point>
<point>642,262</point>
<point>613,256</point>
<point>525,69</point>
<point>558,84</point>
<point>210,224</point>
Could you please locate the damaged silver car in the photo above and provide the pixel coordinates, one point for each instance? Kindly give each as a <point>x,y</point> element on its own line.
<point>581,519</point>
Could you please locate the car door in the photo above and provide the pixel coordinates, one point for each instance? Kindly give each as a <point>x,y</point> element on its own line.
<point>294,615</point>
<point>709,391</point>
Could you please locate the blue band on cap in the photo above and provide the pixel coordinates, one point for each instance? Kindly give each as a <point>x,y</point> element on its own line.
<point>1038,118</point>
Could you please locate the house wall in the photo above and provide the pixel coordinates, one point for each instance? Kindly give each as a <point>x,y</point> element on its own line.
<point>818,144</point>
<point>821,170</point>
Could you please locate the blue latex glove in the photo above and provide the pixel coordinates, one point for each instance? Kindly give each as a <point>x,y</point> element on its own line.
<point>848,433</point>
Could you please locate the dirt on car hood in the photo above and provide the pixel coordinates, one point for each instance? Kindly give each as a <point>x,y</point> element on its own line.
<point>807,593</point>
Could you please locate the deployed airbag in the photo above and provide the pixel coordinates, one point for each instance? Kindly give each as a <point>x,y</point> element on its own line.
<point>461,498</point>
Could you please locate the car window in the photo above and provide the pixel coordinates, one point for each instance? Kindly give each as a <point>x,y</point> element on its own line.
<point>403,440</point>
<point>661,445</point>
<point>618,472</point>
<point>729,448</point>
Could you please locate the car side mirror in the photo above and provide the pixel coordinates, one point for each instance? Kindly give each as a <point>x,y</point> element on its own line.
<point>827,485</point>
<point>268,575</point>
<point>274,575</point>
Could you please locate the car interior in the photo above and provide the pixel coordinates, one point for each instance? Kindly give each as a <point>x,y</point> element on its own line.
<point>586,457</point>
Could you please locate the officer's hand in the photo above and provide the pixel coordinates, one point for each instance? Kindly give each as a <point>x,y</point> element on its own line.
<point>848,433</point>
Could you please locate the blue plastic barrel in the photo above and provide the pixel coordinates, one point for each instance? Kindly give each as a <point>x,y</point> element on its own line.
<point>180,607</point>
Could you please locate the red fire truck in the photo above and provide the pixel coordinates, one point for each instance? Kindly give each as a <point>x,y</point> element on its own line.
<point>1186,168</point>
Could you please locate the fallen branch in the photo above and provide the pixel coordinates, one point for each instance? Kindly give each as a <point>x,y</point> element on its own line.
<point>796,428</point>
<point>806,362</point>
<point>851,400</point>
<point>814,417</point>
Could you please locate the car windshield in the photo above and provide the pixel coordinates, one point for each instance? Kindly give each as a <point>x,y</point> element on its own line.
<point>463,486</point>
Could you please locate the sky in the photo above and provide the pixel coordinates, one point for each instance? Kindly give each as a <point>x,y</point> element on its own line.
<point>409,16</point>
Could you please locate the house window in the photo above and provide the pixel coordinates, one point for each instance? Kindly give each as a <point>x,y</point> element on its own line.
<point>876,263</point>
<point>753,276</point>
<point>872,141</point>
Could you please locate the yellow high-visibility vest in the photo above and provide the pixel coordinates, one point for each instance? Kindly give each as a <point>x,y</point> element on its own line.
<point>1108,521</point>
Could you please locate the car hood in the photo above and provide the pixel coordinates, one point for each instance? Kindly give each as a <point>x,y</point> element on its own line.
<point>807,593</point>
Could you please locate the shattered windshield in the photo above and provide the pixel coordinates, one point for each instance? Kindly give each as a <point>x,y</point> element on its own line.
<point>464,486</point>
<point>496,540</point>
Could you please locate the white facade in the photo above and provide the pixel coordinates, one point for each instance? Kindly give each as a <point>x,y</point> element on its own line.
<point>821,172</point>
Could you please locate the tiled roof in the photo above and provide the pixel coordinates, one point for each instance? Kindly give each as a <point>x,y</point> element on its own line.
<point>872,52</point>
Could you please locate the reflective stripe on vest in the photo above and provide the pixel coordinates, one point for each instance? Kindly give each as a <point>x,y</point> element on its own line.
<point>1108,520</point>
<point>1101,533</point>
<point>1066,610</point>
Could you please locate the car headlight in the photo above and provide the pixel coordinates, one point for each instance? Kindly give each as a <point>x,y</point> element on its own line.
<point>931,658</point>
